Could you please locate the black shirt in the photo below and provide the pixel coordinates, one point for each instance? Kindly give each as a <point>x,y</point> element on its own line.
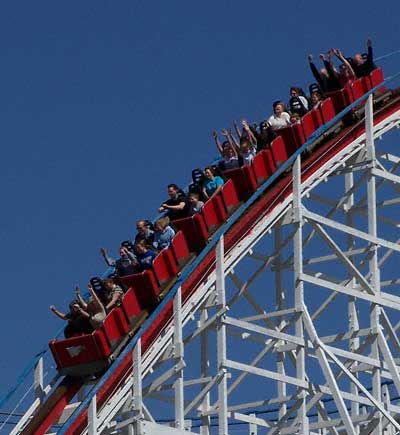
<point>297,106</point>
<point>178,214</point>
<point>265,136</point>
<point>327,84</point>
<point>367,67</point>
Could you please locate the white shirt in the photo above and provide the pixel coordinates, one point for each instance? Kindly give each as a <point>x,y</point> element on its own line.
<point>281,121</point>
<point>249,156</point>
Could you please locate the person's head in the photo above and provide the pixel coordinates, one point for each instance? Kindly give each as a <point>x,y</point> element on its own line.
<point>264,129</point>
<point>227,151</point>
<point>141,226</point>
<point>245,134</point>
<point>278,107</point>
<point>209,173</point>
<point>344,71</point>
<point>141,247</point>
<point>245,146</point>
<point>294,118</point>
<point>323,72</point>
<point>294,92</point>
<point>316,97</point>
<point>194,197</point>
<point>173,190</point>
<point>74,307</point>
<point>122,251</point>
<point>161,224</point>
<point>108,283</point>
<point>358,59</point>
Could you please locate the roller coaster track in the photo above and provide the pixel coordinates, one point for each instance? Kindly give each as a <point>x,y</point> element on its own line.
<point>281,339</point>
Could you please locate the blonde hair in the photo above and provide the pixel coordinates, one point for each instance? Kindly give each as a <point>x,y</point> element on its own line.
<point>162,222</point>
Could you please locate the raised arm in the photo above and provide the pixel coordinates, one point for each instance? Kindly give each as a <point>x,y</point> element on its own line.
<point>370,56</point>
<point>340,56</point>
<point>228,136</point>
<point>84,313</point>
<point>236,127</point>
<point>217,141</point>
<point>235,151</point>
<point>59,314</point>
<point>95,297</point>
<point>330,67</point>
<point>109,261</point>
<point>129,254</point>
<point>250,134</point>
<point>234,142</point>
<point>81,301</point>
<point>330,60</point>
<point>314,71</point>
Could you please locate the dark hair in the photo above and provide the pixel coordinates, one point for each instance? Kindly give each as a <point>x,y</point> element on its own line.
<point>318,94</point>
<point>276,103</point>
<point>173,186</point>
<point>108,281</point>
<point>209,168</point>
<point>127,244</point>
<point>142,243</point>
<point>72,303</point>
<point>298,90</point>
<point>226,144</point>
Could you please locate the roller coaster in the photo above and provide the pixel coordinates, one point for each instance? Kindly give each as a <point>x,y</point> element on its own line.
<point>270,311</point>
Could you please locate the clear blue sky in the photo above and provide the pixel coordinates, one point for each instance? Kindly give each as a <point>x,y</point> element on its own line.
<point>102,103</point>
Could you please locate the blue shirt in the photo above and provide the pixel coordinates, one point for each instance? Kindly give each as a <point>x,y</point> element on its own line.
<point>146,260</point>
<point>212,185</point>
<point>163,239</point>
